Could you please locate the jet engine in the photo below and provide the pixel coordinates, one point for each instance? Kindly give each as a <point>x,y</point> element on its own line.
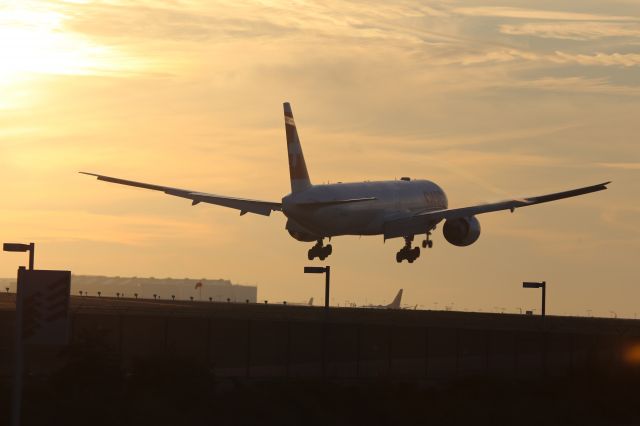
<point>299,232</point>
<point>462,232</point>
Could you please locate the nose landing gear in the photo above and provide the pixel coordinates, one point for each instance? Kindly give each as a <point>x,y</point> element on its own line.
<point>407,253</point>
<point>320,251</point>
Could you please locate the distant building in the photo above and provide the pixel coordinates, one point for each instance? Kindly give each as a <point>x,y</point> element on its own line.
<point>218,290</point>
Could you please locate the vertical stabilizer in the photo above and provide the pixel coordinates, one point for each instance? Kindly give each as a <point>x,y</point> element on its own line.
<point>297,167</point>
<point>396,302</point>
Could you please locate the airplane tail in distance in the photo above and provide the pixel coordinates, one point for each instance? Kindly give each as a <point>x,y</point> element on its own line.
<point>396,302</point>
<point>297,167</point>
<point>311,302</point>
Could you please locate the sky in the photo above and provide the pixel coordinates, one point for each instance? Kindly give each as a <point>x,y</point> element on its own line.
<point>490,99</point>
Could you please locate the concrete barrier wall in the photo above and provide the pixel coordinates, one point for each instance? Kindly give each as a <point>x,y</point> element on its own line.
<point>276,348</point>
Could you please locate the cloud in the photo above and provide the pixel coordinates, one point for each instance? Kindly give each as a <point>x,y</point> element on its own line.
<point>552,15</point>
<point>623,166</point>
<point>602,59</point>
<point>76,225</point>
<point>622,217</point>
<point>572,30</point>
<point>578,85</point>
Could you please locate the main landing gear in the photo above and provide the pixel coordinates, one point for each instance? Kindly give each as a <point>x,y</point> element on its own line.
<point>320,251</point>
<point>427,242</point>
<point>407,253</point>
<point>411,254</point>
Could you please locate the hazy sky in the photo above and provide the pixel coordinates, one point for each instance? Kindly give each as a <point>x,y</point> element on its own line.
<point>490,99</point>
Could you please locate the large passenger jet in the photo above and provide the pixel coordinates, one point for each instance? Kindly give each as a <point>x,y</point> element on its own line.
<point>395,208</point>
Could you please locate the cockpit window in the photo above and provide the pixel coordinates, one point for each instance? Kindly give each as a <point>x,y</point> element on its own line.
<point>435,199</point>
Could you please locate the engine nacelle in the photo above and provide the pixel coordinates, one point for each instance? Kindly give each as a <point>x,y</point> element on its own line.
<point>299,232</point>
<point>462,232</point>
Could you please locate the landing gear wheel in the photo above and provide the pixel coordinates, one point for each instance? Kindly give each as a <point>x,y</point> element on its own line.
<point>323,253</point>
<point>319,251</point>
<point>408,253</point>
<point>427,241</point>
<point>413,254</point>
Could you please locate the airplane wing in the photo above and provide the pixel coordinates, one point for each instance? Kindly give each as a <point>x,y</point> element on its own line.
<point>245,206</point>
<point>421,222</point>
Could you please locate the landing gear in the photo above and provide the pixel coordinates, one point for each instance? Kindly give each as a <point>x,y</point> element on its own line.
<point>427,242</point>
<point>320,251</point>
<point>407,253</point>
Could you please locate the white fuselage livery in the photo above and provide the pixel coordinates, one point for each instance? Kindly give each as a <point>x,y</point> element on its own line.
<point>398,208</point>
<point>381,202</point>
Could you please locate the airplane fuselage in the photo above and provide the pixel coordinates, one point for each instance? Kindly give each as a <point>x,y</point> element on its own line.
<point>312,214</point>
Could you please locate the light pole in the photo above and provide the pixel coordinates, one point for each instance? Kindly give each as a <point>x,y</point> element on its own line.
<point>17,373</point>
<point>327,273</point>
<point>19,247</point>
<point>543,286</point>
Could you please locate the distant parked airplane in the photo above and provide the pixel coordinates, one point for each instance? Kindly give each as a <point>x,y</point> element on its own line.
<point>397,208</point>
<point>395,304</point>
<point>309,303</point>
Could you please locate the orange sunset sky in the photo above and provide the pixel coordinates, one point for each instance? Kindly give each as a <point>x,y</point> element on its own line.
<point>490,99</point>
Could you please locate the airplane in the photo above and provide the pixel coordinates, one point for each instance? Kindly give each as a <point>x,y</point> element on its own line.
<point>309,303</point>
<point>395,304</point>
<point>394,208</point>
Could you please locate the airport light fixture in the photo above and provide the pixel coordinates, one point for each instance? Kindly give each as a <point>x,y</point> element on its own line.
<point>19,247</point>
<point>543,286</point>
<point>326,270</point>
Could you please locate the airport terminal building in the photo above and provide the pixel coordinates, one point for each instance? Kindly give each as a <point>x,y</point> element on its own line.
<point>219,290</point>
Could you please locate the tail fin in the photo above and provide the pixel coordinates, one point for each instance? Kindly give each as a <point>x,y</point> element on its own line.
<point>297,167</point>
<point>396,302</point>
<point>311,302</point>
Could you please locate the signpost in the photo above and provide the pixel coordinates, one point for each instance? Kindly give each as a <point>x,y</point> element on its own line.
<point>542,285</point>
<point>42,307</point>
<point>326,270</point>
<point>18,247</point>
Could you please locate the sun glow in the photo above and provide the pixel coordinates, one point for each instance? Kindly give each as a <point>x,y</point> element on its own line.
<point>32,40</point>
<point>34,43</point>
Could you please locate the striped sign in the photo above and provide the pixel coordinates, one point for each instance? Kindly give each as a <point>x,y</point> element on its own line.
<point>43,303</point>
